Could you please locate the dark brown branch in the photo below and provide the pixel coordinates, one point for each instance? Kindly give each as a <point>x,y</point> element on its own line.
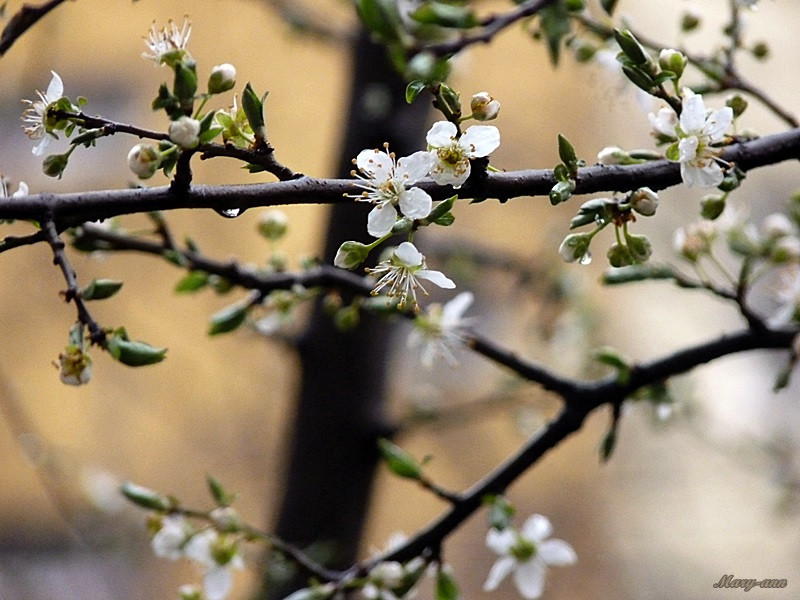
<point>24,19</point>
<point>74,208</point>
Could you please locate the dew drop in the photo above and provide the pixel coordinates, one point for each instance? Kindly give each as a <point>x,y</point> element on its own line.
<point>585,259</point>
<point>229,213</point>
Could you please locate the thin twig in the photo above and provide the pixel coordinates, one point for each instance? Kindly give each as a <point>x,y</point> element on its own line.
<point>24,19</point>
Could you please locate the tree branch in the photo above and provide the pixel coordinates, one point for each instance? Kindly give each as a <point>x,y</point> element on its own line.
<point>24,19</point>
<point>74,208</point>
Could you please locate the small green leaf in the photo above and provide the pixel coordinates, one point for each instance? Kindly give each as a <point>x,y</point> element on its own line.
<point>100,289</point>
<point>254,110</point>
<point>446,220</point>
<point>413,90</point>
<point>638,77</point>
<point>631,47</point>
<point>133,353</point>
<point>218,492</point>
<point>446,586</point>
<point>567,153</point>
<point>611,357</point>
<point>380,17</point>
<point>672,152</point>
<point>400,462</point>
<point>445,15</point>
<point>228,319</point>
<point>193,281</point>
<point>555,25</point>
<point>144,497</point>
<point>185,86</point>
<point>638,273</point>
<point>608,444</point>
<point>175,257</point>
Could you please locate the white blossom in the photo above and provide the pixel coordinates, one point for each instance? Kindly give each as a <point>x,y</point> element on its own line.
<point>484,107</point>
<point>22,189</point>
<point>776,225</point>
<point>219,557</point>
<point>527,554</point>
<point>168,541</point>
<point>787,296</point>
<point>438,331</point>
<point>167,45</point>
<point>388,182</point>
<point>452,154</point>
<point>664,122</point>
<point>35,115</point>
<point>184,131</point>
<point>401,274</point>
<point>697,131</point>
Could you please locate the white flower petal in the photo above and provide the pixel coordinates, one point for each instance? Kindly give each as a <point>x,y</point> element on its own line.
<point>499,571</point>
<point>693,115</point>
<point>709,176</point>
<point>664,122</point>
<point>529,578</point>
<point>718,123</point>
<point>22,190</point>
<point>455,309</point>
<point>217,583</point>
<point>381,219</point>
<point>198,548</point>
<point>56,88</point>
<point>441,134</point>
<point>408,254</point>
<point>410,169</point>
<point>44,142</point>
<point>557,553</point>
<point>444,174</point>
<point>500,542</point>
<point>687,148</point>
<point>376,164</point>
<point>437,278</point>
<point>415,203</point>
<point>536,528</point>
<point>480,140</point>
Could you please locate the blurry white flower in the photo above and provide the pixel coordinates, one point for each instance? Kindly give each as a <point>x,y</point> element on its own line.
<point>438,331</point>
<point>695,240</point>
<point>35,116</point>
<point>388,182</point>
<point>452,154</point>
<point>167,45</point>
<point>382,578</point>
<point>22,189</point>
<point>219,557</point>
<point>168,541</point>
<point>401,274</point>
<point>776,225</point>
<point>527,554</point>
<point>664,122</point>
<point>788,297</point>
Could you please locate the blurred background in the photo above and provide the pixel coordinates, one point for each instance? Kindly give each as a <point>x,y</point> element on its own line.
<point>712,490</point>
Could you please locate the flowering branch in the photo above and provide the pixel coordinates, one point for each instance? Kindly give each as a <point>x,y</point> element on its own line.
<point>24,19</point>
<point>74,208</point>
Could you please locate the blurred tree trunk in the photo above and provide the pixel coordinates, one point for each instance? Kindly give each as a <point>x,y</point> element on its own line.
<point>340,410</point>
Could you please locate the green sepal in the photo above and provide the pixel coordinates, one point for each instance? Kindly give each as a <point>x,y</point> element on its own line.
<point>228,319</point>
<point>501,512</point>
<point>400,462</point>
<point>145,497</point>
<point>192,282</point>
<point>446,586</point>
<point>100,289</point>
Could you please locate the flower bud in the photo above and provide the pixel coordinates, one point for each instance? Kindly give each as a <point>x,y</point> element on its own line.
<point>184,132</point>
<point>54,165</point>
<point>613,155</point>
<point>273,224</point>
<point>690,20</point>
<point>574,247</point>
<point>639,247</point>
<point>672,60</point>
<point>618,255</point>
<point>484,107</point>
<point>144,160</point>
<point>711,206</point>
<point>222,78</point>
<point>350,255</point>
<point>737,103</point>
<point>644,201</point>
<point>760,50</point>
<point>786,250</point>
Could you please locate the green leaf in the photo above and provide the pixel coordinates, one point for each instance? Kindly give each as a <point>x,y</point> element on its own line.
<point>413,90</point>
<point>567,153</point>
<point>144,497</point>
<point>254,110</point>
<point>443,208</point>
<point>218,492</point>
<point>608,444</point>
<point>185,86</point>
<point>175,257</point>
<point>100,289</point>
<point>380,17</point>
<point>638,77</point>
<point>133,353</point>
<point>193,281</point>
<point>638,273</point>
<point>400,462</point>
<point>446,220</point>
<point>445,15</point>
<point>228,319</point>
<point>446,586</point>
<point>501,512</point>
<point>611,357</point>
<point>631,47</point>
<point>555,25</point>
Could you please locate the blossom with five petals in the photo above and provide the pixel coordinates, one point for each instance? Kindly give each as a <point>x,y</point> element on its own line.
<point>438,331</point>
<point>401,274</point>
<point>388,182</point>
<point>218,556</point>
<point>35,116</point>
<point>527,554</point>
<point>452,153</point>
